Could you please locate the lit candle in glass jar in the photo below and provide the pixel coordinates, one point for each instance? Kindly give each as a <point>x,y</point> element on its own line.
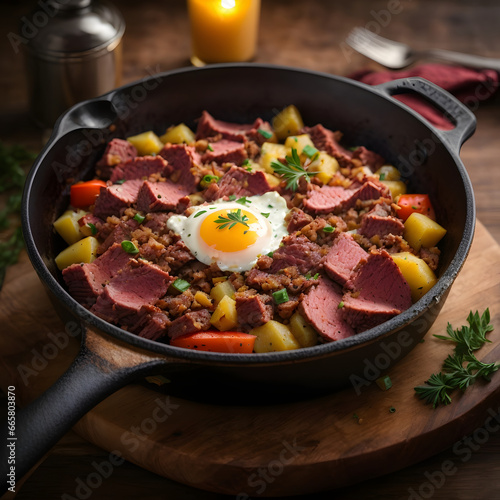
<point>223,30</point>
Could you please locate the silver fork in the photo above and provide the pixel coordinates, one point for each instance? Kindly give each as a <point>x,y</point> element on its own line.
<point>396,55</point>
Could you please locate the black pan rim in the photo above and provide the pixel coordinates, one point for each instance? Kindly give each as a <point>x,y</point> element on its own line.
<point>200,357</point>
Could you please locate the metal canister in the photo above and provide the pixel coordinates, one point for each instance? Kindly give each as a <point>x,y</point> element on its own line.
<point>75,55</point>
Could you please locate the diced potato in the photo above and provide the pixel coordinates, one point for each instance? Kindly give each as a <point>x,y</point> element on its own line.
<point>305,334</point>
<point>221,290</point>
<point>274,336</point>
<point>147,143</point>
<point>196,199</point>
<point>363,171</point>
<point>388,173</point>
<point>416,272</point>
<point>272,180</point>
<point>203,299</point>
<point>420,231</point>
<point>287,122</point>
<point>326,166</point>
<point>298,142</point>
<point>81,251</point>
<point>225,316</point>
<point>397,188</point>
<point>271,152</point>
<point>178,134</point>
<point>67,226</point>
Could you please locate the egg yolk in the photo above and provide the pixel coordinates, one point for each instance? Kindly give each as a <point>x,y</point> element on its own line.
<point>229,230</point>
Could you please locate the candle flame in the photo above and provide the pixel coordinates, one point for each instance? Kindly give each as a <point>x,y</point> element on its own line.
<point>228,4</point>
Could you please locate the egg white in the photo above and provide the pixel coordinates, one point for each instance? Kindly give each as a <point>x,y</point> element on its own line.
<point>271,230</point>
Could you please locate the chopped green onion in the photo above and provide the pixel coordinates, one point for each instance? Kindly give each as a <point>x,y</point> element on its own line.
<point>139,218</point>
<point>210,148</point>
<point>243,200</point>
<point>209,178</point>
<point>270,254</point>
<point>310,151</point>
<point>328,229</point>
<point>181,285</point>
<point>381,176</point>
<point>246,162</point>
<point>248,169</point>
<point>341,304</point>
<point>92,227</point>
<point>280,296</point>
<point>129,247</point>
<point>265,133</point>
<point>197,214</point>
<point>385,383</point>
<point>121,181</point>
<point>232,197</point>
<point>265,215</point>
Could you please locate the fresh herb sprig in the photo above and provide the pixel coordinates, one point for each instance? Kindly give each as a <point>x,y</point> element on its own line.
<point>231,220</point>
<point>460,369</point>
<point>292,171</point>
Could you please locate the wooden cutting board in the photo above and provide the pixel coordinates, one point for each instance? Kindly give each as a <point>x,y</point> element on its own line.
<point>295,448</point>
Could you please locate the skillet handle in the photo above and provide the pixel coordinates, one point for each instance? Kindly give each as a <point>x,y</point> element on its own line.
<point>463,119</point>
<point>101,367</point>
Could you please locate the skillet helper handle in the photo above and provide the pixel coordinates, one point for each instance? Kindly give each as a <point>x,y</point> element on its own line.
<point>463,119</point>
<point>99,370</point>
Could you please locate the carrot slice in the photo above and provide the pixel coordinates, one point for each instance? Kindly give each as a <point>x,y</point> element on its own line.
<point>419,203</point>
<point>83,194</point>
<point>234,342</point>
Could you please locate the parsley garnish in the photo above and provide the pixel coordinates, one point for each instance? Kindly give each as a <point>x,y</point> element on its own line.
<point>462,368</point>
<point>210,148</point>
<point>292,171</point>
<point>246,162</point>
<point>265,133</point>
<point>231,220</point>
<point>243,200</point>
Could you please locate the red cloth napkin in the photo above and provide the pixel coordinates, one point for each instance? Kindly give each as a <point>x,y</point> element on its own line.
<point>469,85</point>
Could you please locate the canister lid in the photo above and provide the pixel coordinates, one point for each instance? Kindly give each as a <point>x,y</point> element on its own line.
<point>75,27</point>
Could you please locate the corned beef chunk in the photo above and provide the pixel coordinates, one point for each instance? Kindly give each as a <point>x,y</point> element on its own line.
<point>297,220</point>
<point>157,222</point>
<point>328,199</point>
<point>138,284</point>
<point>298,251</point>
<point>117,151</point>
<point>378,222</point>
<point>328,141</point>
<point>139,168</point>
<point>155,326</point>
<point>112,199</point>
<point>381,293</point>
<point>191,322</point>
<point>91,219</point>
<point>225,151</point>
<point>160,196</point>
<point>208,126</point>
<point>368,158</point>
<point>253,309</point>
<point>344,255</point>
<point>181,159</point>
<point>86,281</point>
<point>238,182</point>
<point>121,232</point>
<point>177,255</point>
<point>320,309</point>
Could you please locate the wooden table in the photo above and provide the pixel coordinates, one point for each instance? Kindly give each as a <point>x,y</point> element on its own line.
<point>310,35</point>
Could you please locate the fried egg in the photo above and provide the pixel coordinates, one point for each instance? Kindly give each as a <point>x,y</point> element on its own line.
<point>233,234</point>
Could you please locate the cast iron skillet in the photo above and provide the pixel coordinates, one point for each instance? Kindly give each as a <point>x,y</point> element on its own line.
<point>110,357</point>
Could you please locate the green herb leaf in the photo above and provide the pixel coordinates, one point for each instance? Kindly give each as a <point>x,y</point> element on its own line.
<point>310,151</point>
<point>129,247</point>
<point>121,181</point>
<point>139,218</point>
<point>246,162</point>
<point>292,171</point>
<point>265,133</point>
<point>210,148</point>
<point>92,227</point>
<point>231,220</point>
<point>281,296</point>
<point>181,285</point>
<point>328,229</point>
<point>197,214</point>
<point>243,200</point>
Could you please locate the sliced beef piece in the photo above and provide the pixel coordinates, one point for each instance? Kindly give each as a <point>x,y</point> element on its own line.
<point>320,308</point>
<point>381,292</point>
<point>138,284</point>
<point>160,196</point>
<point>238,182</point>
<point>117,151</point>
<point>369,158</point>
<point>328,199</point>
<point>122,231</point>
<point>208,126</point>
<point>182,160</point>
<point>139,168</point>
<point>344,255</point>
<point>225,151</point>
<point>86,282</point>
<point>328,141</point>
<point>298,251</point>
<point>260,280</point>
<point>155,326</point>
<point>253,309</point>
<point>113,199</point>
<point>191,322</point>
<point>378,222</point>
<point>298,219</point>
